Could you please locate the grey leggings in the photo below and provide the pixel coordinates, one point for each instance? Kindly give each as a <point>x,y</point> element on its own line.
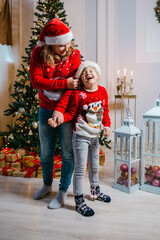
<point>85,148</point>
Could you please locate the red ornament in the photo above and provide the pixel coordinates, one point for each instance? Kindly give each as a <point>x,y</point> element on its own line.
<point>154,168</point>
<point>133,170</point>
<point>124,168</point>
<point>157,173</point>
<point>149,178</point>
<point>126,183</point>
<point>156,183</point>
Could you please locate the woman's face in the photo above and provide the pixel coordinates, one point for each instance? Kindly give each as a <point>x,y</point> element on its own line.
<point>61,50</point>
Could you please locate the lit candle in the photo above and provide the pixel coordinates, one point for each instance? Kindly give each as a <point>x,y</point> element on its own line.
<point>131,74</point>
<point>125,70</point>
<point>118,73</point>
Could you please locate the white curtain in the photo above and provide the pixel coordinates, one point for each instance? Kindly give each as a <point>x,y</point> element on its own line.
<point>7,69</point>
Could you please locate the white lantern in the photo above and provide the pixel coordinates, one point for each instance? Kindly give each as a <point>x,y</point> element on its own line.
<point>150,181</point>
<point>127,156</point>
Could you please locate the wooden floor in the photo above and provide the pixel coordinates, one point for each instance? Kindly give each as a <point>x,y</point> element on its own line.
<point>133,216</point>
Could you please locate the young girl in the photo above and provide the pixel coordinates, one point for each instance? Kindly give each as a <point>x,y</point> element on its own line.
<point>89,107</point>
<point>52,69</point>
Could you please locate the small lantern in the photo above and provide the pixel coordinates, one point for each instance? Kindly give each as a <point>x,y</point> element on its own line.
<point>150,180</point>
<point>127,156</point>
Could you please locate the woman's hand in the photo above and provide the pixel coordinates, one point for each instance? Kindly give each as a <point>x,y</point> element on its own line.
<point>73,83</point>
<point>106,132</point>
<point>56,120</point>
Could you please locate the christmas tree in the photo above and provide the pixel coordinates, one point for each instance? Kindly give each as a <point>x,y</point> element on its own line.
<point>157,10</point>
<point>25,104</point>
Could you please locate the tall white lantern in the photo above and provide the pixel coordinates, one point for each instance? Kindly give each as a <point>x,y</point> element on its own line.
<point>127,156</point>
<point>150,180</point>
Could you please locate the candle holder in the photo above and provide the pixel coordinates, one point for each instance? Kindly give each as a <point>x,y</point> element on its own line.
<point>124,87</point>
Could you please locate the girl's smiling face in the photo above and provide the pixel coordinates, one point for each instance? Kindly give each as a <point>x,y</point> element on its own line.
<point>90,78</point>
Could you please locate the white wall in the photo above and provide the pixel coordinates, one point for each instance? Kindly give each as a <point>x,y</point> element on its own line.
<point>146,75</point>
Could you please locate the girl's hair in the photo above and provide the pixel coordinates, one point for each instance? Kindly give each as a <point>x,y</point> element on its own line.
<point>49,55</point>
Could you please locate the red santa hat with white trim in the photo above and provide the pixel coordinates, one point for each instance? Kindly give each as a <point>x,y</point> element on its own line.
<point>55,33</point>
<point>86,64</point>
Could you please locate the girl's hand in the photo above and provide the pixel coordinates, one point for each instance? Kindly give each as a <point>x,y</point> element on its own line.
<point>52,123</point>
<point>106,132</point>
<point>73,83</point>
<point>56,120</point>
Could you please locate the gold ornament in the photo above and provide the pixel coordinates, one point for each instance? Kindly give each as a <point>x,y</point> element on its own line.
<point>27,68</point>
<point>27,83</point>
<point>37,97</point>
<point>17,114</point>
<point>24,90</point>
<point>34,37</point>
<point>45,19</point>
<point>22,110</point>
<point>35,124</point>
<point>30,132</point>
<point>10,137</point>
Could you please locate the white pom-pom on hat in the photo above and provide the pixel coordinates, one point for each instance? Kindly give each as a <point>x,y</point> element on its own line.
<point>40,43</point>
<point>87,64</point>
<point>85,107</point>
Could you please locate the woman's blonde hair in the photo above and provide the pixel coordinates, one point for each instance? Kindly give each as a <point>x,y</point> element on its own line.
<point>49,55</point>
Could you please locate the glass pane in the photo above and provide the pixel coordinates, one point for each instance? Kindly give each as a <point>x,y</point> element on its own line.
<point>150,137</point>
<point>134,148</point>
<point>118,139</point>
<point>139,147</point>
<point>158,138</point>
<point>152,170</point>
<point>122,173</point>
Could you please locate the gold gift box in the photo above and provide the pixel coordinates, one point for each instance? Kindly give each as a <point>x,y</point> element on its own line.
<point>39,173</point>
<point>1,172</point>
<point>2,163</point>
<point>101,158</point>
<point>16,165</point>
<point>18,173</point>
<point>21,151</point>
<point>12,157</point>
<point>2,155</point>
<point>28,161</point>
<point>58,173</point>
<point>9,172</point>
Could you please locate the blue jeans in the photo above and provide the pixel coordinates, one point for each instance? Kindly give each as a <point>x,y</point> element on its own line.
<point>48,138</point>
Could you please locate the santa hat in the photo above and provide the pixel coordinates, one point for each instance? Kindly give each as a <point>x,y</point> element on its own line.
<point>89,101</point>
<point>54,33</point>
<point>87,64</point>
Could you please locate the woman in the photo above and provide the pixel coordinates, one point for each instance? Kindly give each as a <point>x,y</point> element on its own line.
<point>52,68</point>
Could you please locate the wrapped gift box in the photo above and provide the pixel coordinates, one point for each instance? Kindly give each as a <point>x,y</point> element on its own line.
<point>101,158</point>
<point>1,172</point>
<point>2,163</point>
<point>15,165</point>
<point>12,157</point>
<point>2,160</point>
<point>18,173</point>
<point>30,161</point>
<point>9,172</point>
<point>2,155</point>
<point>21,151</point>
<point>39,173</point>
